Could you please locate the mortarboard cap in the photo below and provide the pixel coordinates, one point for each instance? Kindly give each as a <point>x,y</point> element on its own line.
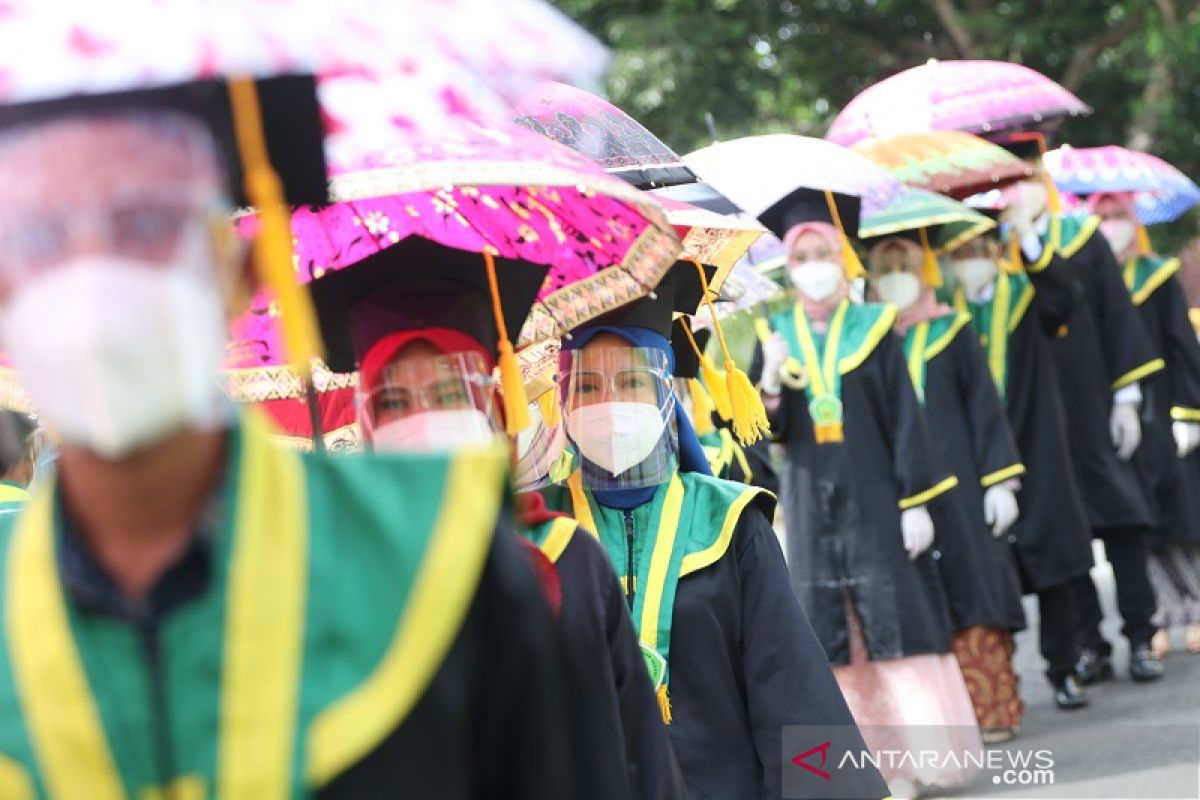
<point>417,283</point>
<point>811,205</point>
<point>679,292</point>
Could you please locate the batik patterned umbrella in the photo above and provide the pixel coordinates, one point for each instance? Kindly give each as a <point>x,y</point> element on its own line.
<point>948,162</point>
<point>604,133</point>
<point>717,240</point>
<point>1161,192</point>
<point>510,191</point>
<point>981,97</point>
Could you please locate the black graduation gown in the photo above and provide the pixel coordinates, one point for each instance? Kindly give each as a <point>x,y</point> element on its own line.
<point>971,435</point>
<point>1103,348</point>
<point>612,695</point>
<point>1163,308</point>
<point>484,727</point>
<point>842,514</point>
<point>1051,538</point>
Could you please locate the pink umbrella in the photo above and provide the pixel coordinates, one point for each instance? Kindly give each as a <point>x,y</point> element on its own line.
<point>602,132</point>
<point>512,191</point>
<point>980,97</point>
<point>1161,192</point>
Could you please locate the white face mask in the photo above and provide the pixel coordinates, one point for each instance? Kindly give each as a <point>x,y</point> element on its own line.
<point>817,280</point>
<point>1119,233</point>
<point>616,436</point>
<point>974,273</point>
<point>901,289</point>
<point>117,354</point>
<point>439,431</point>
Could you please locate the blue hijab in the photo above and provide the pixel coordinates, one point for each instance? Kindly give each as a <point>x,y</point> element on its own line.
<point>691,454</point>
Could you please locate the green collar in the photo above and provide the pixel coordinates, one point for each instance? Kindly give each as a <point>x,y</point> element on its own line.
<point>1144,274</point>
<point>925,340</point>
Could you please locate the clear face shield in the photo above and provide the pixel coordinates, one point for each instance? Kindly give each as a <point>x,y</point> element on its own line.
<point>618,406</point>
<point>431,403</point>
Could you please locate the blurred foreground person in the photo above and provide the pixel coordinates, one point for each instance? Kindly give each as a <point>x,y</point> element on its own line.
<point>422,335</point>
<point>970,434</point>
<point>189,612</point>
<point>729,651</point>
<point>857,481</point>
<point>1170,418</point>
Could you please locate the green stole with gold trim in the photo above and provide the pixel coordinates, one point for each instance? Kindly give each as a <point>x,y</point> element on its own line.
<point>260,706</point>
<point>996,319</point>
<point>675,534</point>
<point>854,331</point>
<point>1145,274</point>
<point>927,339</point>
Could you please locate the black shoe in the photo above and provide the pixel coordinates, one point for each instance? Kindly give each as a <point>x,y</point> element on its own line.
<point>1093,667</point>
<point>1069,695</point>
<point>1143,665</point>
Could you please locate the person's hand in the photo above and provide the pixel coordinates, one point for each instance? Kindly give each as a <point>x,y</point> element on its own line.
<point>1000,509</point>
<point>1187,436</point>
<point>917,529</point>
<point>1126,429</point>
<point>775,354</point>
<point>1025,203</point>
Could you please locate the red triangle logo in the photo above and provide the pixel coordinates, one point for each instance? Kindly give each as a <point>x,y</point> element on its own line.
<point>802,760</point>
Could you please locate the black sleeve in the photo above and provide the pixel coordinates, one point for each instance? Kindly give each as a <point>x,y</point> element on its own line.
<point>1127,348</point>
<point>653,771</point>
<point>788,680</point>
<point>912,454</point>
<point>1183,351</point>
<point>1057,293</point>
<point>522,733</point>
<point>996,454</point>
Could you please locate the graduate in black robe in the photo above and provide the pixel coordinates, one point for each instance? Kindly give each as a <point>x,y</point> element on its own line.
<point>734,659</point>
<point>970,433</point>
<point>1171,407</point>
<point>425,347</point>
<point>1016,316</point>
<point>1103,353</point>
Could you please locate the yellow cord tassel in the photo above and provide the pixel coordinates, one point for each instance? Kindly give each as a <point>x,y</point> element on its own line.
<point>749,416</point>
<point>850,263</point>
<point>931,274</point>
<point>548,404</point>
<point>702,408</point>
<point>273,244</point>
<point>664,704</point>
<point>516,405</point>
<point>712,377</point>
<point>1143,241</point>
<point>1013,265</point>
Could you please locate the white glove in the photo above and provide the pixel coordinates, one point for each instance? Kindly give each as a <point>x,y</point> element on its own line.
<point>775,354</point>
<point>1187,436</point>
<point>1000,508</point>
<point>1126,429</point>
<point>917,528</point>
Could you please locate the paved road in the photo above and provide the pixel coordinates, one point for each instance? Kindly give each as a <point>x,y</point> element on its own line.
<point>1130,743</point>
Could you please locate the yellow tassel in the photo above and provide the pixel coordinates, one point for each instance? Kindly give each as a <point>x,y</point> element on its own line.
<point>931,274</point>
<point>1053,201</point>
<point>516,405</point>
<point>748,414</point>
<point>762,329</point>
<point>664,704</point>
<point>548,404</point>
<point>273,244</point>
<point>702,408</point>
<point>850,263</point>
<point>829,433</point>
<point>1013,265</point>
<point>1143,241</point>
<point>715,382</point>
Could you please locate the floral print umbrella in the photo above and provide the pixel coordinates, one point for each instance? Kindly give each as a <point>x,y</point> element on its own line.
<point>948,162</point>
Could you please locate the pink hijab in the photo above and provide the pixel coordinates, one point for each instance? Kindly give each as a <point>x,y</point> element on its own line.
<point>926,306</point>
<point>818,313</point>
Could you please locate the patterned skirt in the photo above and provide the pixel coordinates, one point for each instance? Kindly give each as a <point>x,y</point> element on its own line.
<point>1174,570</point>
<point>985,656</point>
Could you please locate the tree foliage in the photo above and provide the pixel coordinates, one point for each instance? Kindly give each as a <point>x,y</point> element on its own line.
<point>763,66</point>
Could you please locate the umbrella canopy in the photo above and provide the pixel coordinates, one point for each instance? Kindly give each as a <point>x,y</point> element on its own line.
<point>717,240</point>
<point>762,173</point>
<point>912,209</point>
<point>474,188</point>
<point>980,97</point>
<point>604,133</point>
<point>1161,192</point>
<point>948,162</point>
